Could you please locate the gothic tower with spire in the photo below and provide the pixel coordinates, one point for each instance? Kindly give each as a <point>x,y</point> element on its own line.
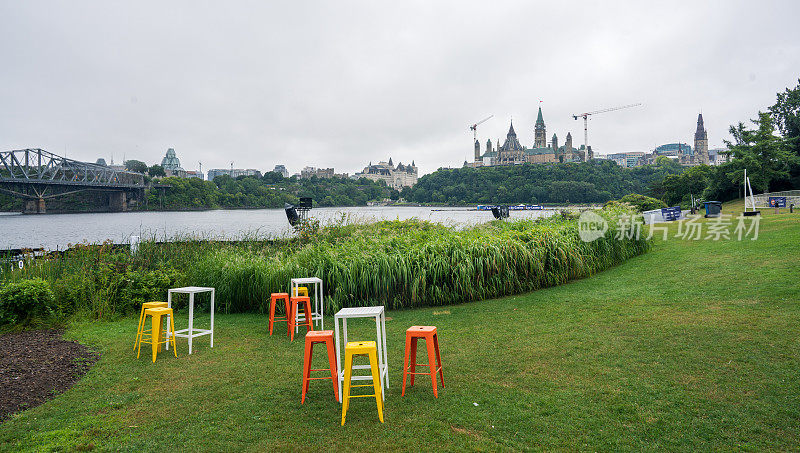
<point>477,150</point>
<point>511,151</point>
<point>701,142</point>
<point>540,132</point>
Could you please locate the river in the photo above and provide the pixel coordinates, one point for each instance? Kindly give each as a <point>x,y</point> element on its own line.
<point>58,231</point>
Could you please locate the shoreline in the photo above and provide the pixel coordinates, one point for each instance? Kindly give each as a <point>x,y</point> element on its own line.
<point>469,207</point>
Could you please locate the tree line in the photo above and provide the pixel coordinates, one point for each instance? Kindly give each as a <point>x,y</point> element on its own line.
<point>270,191</point>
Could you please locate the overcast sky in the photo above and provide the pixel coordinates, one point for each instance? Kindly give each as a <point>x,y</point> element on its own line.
<point>339,84</point>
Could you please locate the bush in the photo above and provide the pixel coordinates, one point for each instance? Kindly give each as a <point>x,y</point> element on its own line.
<point>135,287</point>
<point>72,291</point>
<point>642,203</point>
<point>26,301</point>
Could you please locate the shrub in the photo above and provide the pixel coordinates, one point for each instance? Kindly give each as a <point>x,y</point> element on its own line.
<point>25,302</point>
<point>72,291</point>
<point>642,203</point>
<point>135,287</point>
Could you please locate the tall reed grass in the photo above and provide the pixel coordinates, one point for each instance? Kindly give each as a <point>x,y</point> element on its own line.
<point>406,264</point>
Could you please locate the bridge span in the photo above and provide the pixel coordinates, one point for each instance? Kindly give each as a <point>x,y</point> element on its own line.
<point>36,175</point>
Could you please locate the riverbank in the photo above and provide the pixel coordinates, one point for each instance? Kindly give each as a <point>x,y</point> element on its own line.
<point>692,346</point>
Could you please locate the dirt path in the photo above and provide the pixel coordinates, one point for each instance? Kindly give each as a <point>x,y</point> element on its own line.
<point>37,365</point>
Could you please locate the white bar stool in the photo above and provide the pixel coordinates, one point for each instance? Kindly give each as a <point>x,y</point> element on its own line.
<point>191,332</point>
<point>380,330</point>
<point>316,303</point>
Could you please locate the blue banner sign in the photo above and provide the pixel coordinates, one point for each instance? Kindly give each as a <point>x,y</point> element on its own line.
<point>777,202</point>
<point>671,213</point>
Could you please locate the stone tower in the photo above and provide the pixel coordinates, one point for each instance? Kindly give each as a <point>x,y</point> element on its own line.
<point>700,142</point>
<point>477,150</point>
<point>540,132</point>
<point>554,142</point>
<point>568,143</point>
<point>488,145</point>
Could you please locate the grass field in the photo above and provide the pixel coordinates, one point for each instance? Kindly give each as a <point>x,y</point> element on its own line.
<point>694,345</point>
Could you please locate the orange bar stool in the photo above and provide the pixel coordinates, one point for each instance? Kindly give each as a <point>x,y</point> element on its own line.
<point>319,336</point>
<point>155,339</point>
<point>145,306</point>
<point>428,333</point>
<point>369,349</point>
<point>272,299</point>
<point>293,302</point>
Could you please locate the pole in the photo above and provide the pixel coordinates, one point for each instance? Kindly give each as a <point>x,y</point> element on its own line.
<point>745,189</point>
<point>586,133</point>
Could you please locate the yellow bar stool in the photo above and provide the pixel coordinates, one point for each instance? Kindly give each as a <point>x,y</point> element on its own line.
<point>300,291</point>
<point>157,331</point>
<point>369,349</point>
<point>145,306</point>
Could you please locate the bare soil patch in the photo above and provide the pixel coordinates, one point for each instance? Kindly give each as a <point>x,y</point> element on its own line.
<point>36,366</point>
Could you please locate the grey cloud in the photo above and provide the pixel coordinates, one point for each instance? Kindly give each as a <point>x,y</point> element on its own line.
<point>344,83</point>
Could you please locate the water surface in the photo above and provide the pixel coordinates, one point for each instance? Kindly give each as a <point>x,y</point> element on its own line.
<point>57,231</point>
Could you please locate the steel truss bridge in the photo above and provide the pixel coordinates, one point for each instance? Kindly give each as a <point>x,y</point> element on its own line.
<point>37,175</point>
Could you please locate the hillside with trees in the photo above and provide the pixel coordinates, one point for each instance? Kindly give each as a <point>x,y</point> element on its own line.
<point>596,181</point>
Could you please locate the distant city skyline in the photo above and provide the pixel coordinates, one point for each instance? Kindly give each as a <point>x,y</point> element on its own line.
<point>339,85</point>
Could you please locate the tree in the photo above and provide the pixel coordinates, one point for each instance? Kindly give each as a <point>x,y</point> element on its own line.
<point>136,165</point>
<point>272,177</point>
<point>786,114</point>
<point>679,189</point>
<point>766,155</point>
<point>156,171</point>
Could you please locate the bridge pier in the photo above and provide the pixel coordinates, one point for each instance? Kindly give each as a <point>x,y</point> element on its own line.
<point>34,206</point>
<point>118,201</point>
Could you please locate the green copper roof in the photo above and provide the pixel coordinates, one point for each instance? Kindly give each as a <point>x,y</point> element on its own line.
<point>539,119</point>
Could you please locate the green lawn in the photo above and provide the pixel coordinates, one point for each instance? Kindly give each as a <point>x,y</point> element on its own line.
<point>694,345</point>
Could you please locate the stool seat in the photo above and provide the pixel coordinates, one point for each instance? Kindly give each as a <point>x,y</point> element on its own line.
<point>321,334</point>
<point>360,346</point>
<point>422,330</point>
<point>313,337</point>
<point>429,334</point>
<point>370,349</point>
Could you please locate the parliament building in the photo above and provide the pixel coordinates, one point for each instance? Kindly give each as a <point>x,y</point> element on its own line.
<point>512,152</point>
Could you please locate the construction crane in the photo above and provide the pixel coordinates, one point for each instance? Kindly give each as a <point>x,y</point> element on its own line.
<point>474,127</point>
<point>585,117</point>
